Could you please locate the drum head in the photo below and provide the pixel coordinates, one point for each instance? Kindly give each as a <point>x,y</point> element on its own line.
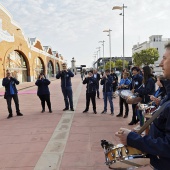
<point>126,93</point>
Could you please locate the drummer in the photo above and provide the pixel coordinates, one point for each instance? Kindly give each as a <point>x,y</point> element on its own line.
<point>157,143</point>
<point>123,85</point>
<point>148,88</point>
<point>135,84</point>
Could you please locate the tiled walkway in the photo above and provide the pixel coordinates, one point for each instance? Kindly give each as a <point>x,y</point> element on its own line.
<point>59,140</point>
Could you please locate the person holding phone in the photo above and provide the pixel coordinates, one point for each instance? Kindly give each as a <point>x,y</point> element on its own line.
<point>9,82</point>
<point>43,92</point>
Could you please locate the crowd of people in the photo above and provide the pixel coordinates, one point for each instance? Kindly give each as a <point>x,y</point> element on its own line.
<point>140,82</point>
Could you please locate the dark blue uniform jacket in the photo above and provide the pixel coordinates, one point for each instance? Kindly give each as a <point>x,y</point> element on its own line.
<point>6,82</point>
<point>107,84</point>
<point>65,78</point>
<point>91,84</point>
<point>42,86</point>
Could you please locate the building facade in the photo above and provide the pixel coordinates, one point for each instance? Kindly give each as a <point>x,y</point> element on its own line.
<point>24,57</point>
<point>155,41</point>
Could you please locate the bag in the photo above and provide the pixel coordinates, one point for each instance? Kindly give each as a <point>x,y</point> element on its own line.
<point>5,95</point>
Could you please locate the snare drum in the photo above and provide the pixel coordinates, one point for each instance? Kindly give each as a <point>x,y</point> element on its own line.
<point>127,94</point>
<point>124,157</point>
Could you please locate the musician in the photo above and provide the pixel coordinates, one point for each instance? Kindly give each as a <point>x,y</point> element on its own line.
<point>107,81</point>
<point>160,92</point>
<point>135,84</point>
<point>157,143</point>
<point>123,85</point>
<point>90,91</point>
<point>115,81</point>
<point>96,75</point>
<point>66,86</point>
<point>148,88</point>
<point>9,82</point>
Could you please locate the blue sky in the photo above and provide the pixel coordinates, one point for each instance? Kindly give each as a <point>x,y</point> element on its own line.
<point>75,27</point>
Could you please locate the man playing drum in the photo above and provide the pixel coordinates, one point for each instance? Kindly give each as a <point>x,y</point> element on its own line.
<point>157,142</point>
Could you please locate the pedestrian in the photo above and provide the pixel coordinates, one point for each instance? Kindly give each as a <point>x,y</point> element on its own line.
<point>43,92</point>
<point>96,75</point>
<point>107,81</point>
<point>157,143</point>
<point>9,82</point>
<point>123,85</point>
<point>90,91</point>
<point>66,86</point>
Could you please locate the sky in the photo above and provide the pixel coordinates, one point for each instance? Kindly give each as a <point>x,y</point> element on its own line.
<point>75,27</point>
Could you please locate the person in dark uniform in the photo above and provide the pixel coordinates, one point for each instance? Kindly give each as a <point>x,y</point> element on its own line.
<point>135,84</point>
<point>107,81</point>
<point>9,82</point>
<point>96,75</point>
<point>66,86</point>
<point>90,91</point>
<point>157,143</point>
<point>43,92</point>
<point>115,81</point>
<point>123,85</point>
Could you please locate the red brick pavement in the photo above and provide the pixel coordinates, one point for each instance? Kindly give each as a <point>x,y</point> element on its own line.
<point>24,139</point>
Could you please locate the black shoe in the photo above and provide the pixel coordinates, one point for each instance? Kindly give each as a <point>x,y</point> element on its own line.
<point>95,112</point>
<point>19,114</point>
<point>65,109</point>
<point>42,111</point>
<point>9,116</point>
<point>112,114</point>
<point>132,123</point>
<point>125,116</point>
<point>98,97</point>
<point>50,111</point>
<point>72,109</point>
<point>103,112</point>
<point>85,111</point>
<point>119,115</point>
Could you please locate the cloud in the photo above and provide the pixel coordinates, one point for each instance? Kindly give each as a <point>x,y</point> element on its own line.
<point>74,27</point>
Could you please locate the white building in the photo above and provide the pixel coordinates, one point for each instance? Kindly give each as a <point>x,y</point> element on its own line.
<point>155,41</point>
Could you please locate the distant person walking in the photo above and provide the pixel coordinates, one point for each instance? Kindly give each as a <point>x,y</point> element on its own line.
<point>43,92</point>
<point>66,86</point>
<point>9,82</point>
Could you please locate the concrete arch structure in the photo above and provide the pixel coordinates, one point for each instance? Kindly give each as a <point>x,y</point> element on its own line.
<point>12,39</point>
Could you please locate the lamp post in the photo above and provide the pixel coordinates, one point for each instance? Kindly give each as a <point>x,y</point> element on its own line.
<point>109,31</point>
<point>122,8</point>
<point>103,53</point>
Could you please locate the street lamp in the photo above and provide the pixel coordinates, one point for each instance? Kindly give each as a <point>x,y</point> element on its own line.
<point>103,53</point>
<point>122,8</point>
<point>109,31</point>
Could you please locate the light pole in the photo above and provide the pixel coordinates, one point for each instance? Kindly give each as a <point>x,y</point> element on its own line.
<point>109,31</point>
<point>122,8</point>
<point>103,53</point>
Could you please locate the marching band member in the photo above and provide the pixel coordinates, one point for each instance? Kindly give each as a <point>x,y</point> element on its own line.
<point>90,91</point>
<point>124,84</point>
<point>135,84</point>
<point>157,143</point>
<point>66,86</point>
<point>107,81</point>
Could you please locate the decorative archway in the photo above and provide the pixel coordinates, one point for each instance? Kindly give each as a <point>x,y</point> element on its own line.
<point>17,64</point>
<point>39,67</point>
<point>50,69</point>
<point>57,68</point>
